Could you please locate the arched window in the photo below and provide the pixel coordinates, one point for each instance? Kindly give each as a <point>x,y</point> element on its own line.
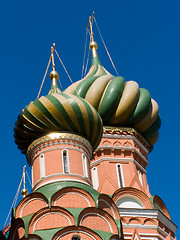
<point>129,202</point>
<point>76,237</point>
<point>65,161</point>
<point>85,169</point>
<point>42,166</point>
<point>120,175</point>
<point>140,177</point>
<point>95,179</point>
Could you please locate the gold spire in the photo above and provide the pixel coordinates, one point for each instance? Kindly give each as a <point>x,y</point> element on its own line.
<point>54,76</point>
<point>93,45</point>
<point>24,191</point>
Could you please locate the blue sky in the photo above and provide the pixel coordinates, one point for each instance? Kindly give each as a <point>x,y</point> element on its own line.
<point>143,38</point>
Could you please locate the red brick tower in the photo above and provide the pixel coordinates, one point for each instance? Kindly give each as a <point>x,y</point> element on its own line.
<point>118,166</point>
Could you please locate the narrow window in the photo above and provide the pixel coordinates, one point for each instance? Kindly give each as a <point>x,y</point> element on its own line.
<point>95,178</point>
<point>85,169</point>
<point>140,177</point>
<point>32,176</point>
<point>65,161</point>
<point>120,175</point>
<point>42,166</point>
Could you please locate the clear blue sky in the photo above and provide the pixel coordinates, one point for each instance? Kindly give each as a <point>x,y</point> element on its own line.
<point>143,38</point>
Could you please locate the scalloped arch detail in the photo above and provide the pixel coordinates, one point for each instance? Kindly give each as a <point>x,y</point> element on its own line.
<point>106,204</point>
<point>72,197</point>
<point>157,200</point>
<point>46,218</point>
<point>95,218</point>
<point>132,192</point>
<point>31,204</point>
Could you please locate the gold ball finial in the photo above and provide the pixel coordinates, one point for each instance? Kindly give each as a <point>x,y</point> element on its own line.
<point>54,75</point>
<point>93,44</point>
<point>24,192</point>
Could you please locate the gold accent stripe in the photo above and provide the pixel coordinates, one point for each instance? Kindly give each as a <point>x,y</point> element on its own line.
<point>95,92</point>
<point>127,103</point>
<point>84,113</point>
<point>32,108</point>
<point>54,112</point>
<point>70,111</point>
<point>150,117</point>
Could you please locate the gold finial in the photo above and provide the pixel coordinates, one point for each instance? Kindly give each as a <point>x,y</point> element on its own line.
<point>24,191</point>
<point>53,74</point>
<point>90,24</point>
<point>93,45</point>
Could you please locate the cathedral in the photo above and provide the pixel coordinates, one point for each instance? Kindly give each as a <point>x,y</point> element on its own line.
<point>88,149</point>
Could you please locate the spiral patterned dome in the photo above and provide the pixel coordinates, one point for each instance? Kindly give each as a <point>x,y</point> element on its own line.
<point>57,112</point>
<point>119,103</point>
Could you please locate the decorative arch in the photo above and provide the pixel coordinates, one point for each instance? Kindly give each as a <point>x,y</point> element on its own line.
<point>117,143</point>
<point>149,221</point>
<point>95,218</point>
<point>106,143</point>
<point>134,220</point>
<point>31,204</point>
<point>70,231</point>
<point>107,204</point>
<point>17,230</point>
<point>46,218</point>
<point>70,197</point>
<point>133,193</point>
<point>159,204</point>
<point>127,144</point>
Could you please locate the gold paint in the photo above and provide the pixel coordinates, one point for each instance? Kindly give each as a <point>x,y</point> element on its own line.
<point>84,113</point>
<point>95,91</point>
<point>30,124</point>
<point>32,108</point>
<point>90,24</point>
<point>127,103</point>
<point>52,56</point>
<point>24,191</point>
<point>54,136</point>
<point>54,112</point>
<point>69,109</point>
<point>124,129</point>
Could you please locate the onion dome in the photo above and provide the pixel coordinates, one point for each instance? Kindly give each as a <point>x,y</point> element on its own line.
<point>119,103</point>
<point>57,112</point>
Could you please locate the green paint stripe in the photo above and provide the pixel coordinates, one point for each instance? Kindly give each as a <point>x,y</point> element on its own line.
<point>91,119</point>
<point>94,71</point>
<point>99,132</point>
<point>30,116</point>
<point>141,109</point>
<point>46,113</point>
<point>83,87</point>
<point>77,112</point>
<point>110,98</point>
<point>153,129</point>
<point>57,104</point>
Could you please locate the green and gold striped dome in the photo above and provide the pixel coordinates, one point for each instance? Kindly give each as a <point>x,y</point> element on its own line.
<point>57,112</point>
<point>119,103</point>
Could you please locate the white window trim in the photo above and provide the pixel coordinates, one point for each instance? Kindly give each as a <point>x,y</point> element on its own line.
<point>32,176</point>
<point>140,177</point>
<point>42,166</point>
<point>85,167</point>
<point>95,179</point>
<point>121,173</point>
<point>65,150</point>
